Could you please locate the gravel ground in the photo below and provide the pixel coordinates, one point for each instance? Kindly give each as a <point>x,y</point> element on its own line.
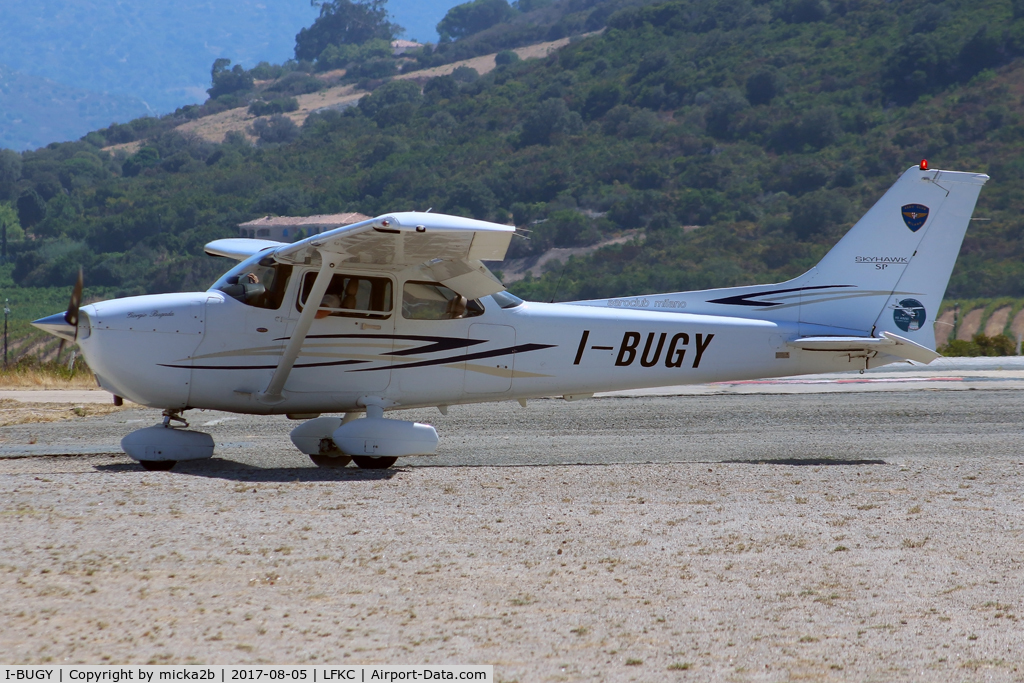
<point>852,536</point>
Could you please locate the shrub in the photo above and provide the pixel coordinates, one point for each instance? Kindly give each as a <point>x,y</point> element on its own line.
<point>297,83</point>
<point>816,211</point>
<point>981,345</point>
<point>392,103</point>
<point>275,129</point>
<point>465,74</point>
<point>506,57</point>
<point>146,157</point>
<point>278,106</point>
<point>762,86</point>
<point>549,117</point>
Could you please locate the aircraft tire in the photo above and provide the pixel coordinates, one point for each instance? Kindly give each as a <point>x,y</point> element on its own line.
<point>367,462</point>
<point>329,461</point>
<point>157,465</point>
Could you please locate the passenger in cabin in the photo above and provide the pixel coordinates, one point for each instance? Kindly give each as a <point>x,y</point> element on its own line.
<point>351,290</point>
<point>457,307</point>
<point>329,301</point>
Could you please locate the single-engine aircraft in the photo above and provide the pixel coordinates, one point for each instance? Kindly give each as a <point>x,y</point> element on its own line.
<point>400,312</point>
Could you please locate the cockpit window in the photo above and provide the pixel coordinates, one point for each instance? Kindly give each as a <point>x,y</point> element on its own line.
<point>433,301</point>
<point>351,296</point>
<point>258,281</point>
<point>506,300</point>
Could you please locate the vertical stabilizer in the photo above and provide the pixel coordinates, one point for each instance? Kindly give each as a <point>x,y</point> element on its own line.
<point>887,274</point>
<point>895,263</point>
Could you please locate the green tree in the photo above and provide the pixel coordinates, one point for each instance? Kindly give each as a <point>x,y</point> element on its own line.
<point>392,103</point>
<point>549,117</point>
<point>472,17</point>
<point>344,22</point>
<point>10,173</point>
<point>9,220</point>
<point>275,129</point>
<point>506,57</point>
<point>227,81</point>
<point>31,208</point>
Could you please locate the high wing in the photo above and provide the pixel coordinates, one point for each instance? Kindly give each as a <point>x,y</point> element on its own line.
<point>448,248</point>
<point>239,248</point>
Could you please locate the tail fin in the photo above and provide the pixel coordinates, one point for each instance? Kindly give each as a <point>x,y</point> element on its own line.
<point>890,271</point>
<point>887,274</point>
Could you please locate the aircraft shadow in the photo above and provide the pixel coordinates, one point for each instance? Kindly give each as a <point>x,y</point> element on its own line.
<point>231,470</point>
<point>804,462</point>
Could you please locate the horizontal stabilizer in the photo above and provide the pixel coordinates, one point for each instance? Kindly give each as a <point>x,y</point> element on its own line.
<point>889,344</point>
<point>238,248</point>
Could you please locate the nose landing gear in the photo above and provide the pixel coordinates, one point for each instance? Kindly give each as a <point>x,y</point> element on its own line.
<point>160,447</point>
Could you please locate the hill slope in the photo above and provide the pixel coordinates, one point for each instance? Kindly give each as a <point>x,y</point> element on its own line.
<point>129,59</point>
<point>741,138</point>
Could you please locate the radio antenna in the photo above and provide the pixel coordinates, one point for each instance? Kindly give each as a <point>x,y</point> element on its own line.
<point>559,282</point>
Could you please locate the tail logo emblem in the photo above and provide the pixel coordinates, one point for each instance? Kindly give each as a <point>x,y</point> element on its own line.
<point>909,315</point>
<point>914,215</point>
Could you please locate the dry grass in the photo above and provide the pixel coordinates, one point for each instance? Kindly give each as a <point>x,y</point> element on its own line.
<point>13,412</point>
<point>45,376</point>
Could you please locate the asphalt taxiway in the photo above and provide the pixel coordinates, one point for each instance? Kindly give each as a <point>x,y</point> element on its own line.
<point>757,532</point>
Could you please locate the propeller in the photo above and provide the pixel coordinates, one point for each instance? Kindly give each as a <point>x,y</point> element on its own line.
<point>71,316</point>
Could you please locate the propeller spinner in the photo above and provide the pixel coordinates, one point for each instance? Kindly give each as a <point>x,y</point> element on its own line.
<point>64,325</point>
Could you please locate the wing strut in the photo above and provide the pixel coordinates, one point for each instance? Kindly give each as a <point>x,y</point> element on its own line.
<point>272,394</point>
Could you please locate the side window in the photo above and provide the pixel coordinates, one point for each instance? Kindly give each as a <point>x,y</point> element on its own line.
<point>351,296</point>
<point>433,301</point>
<point>257,283</point>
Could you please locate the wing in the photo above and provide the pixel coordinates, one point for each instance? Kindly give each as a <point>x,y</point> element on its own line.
<point>450,248</point>
<point>238,248</point>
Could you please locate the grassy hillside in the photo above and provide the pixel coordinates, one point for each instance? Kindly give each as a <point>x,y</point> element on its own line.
<point>740,138</point>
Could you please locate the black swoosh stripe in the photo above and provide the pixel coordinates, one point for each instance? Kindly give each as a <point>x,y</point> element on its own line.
<point>436,343</point>
<point>262,367</point>
<point>522,348</point>
<point>441,344</point>
<point>744,299</point>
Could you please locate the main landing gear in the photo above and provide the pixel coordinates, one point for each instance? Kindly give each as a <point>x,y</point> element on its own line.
<point>372,442</point>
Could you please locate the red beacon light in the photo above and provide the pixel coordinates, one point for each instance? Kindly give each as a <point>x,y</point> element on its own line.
<point>924,164</point>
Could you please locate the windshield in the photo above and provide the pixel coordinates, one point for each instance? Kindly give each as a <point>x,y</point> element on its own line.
<point>506,300</point>
<point>258,281</point>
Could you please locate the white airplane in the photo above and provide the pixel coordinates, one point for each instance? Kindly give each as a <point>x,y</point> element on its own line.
<point>407,316</point>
